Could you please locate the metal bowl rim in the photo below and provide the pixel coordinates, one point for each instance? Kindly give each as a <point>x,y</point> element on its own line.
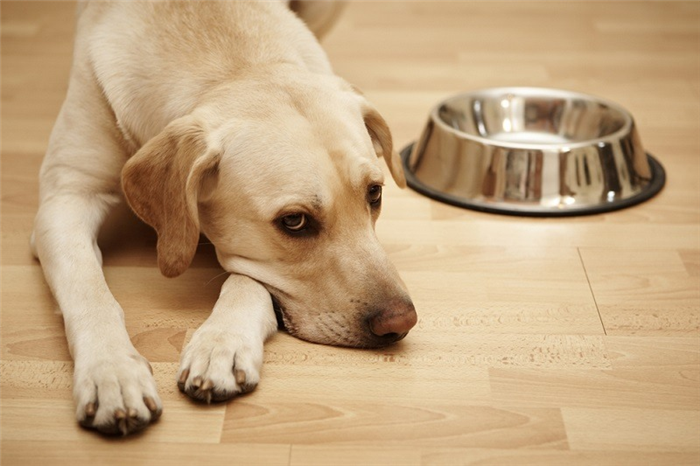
<point>536,91</point>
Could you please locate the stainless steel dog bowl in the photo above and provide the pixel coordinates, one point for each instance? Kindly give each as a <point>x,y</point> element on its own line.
<point>532,151</point>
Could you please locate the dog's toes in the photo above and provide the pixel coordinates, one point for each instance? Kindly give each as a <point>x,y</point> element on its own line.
<point>214,389</point>
<point>116,397</point>
<point>127,422</point>
<point>217,366</point>
<point>223,395</point>
<point>120,422</point>
<point>130,421</point>
<point>242,381</point>
<point>246,370</point>
<point>206,390</point>
<point>200,389</point>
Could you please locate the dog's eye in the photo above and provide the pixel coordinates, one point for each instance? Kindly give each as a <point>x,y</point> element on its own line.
<point>374,195</point>
<point>294,222</point>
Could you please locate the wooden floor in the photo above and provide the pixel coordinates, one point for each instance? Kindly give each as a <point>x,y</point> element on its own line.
<point>565,341</point>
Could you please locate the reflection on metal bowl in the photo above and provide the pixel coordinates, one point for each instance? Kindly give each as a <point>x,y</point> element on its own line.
<point>532,151</point>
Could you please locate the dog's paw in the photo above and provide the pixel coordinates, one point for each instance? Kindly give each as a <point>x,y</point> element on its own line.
<point>218,365</point>
<point>116,393</point>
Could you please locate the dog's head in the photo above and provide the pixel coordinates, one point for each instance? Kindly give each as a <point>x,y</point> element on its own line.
<point>288,190</point>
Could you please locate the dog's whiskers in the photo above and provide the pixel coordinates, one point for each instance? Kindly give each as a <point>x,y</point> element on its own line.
<point>215,277</point>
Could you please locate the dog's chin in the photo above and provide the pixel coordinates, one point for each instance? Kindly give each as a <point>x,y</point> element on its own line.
<point>345,341</point>
<point>324,334</point>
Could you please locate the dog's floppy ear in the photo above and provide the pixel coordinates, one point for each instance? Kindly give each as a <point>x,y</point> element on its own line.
<point>162,181</point>
<point>383,145</point>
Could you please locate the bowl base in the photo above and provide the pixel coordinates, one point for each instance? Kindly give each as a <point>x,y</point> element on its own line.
<point>658,180</point>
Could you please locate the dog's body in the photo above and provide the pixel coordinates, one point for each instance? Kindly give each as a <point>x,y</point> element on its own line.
<point>222,118</point>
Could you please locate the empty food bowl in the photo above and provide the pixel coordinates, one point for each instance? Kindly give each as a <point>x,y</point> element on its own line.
<point>532,151</point>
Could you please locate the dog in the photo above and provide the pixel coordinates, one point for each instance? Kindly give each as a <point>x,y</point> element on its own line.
<point>223,119</point>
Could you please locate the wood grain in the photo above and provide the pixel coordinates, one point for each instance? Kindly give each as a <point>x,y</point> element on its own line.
<point>646,291</point>
<point>540,341</point>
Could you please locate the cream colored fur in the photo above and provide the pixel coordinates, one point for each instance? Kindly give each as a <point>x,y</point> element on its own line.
<point>221,118</point>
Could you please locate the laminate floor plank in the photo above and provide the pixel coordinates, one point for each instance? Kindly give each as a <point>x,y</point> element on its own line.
<point>539,342</point>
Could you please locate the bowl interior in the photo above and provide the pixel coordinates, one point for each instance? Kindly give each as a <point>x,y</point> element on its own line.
<point>529,118</point>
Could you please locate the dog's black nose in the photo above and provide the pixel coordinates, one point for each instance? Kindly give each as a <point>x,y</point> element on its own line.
<point>395,320</point>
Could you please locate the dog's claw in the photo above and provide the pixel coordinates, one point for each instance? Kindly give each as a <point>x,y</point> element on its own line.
<point>151,405</point>
<point>90,409</point>
<point>205,390</point>
<point>242,381</point>
<point>89,419</point>
<point>197,382</point>
<point>183,379</point>
<point>240,377</point>
<point>123,426</point>
<point>121,421</point>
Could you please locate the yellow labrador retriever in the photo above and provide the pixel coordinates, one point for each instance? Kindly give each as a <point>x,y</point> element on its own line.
<point>221,118</point>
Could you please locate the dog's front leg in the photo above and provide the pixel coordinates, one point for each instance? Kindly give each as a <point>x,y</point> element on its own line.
<point>113,385</point>
<point>225,354</point>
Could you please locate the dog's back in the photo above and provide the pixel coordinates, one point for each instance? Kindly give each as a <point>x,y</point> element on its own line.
<point>154,59</point>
